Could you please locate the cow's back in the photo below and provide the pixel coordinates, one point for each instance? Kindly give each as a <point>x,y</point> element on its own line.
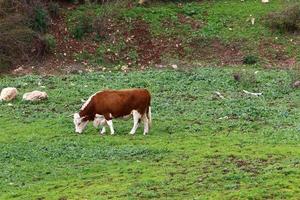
<point>119,103</point>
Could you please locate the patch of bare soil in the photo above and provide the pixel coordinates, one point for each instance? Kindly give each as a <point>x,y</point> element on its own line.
<point>276,54</point>
<point>214,51</point>
<point>137,47</point>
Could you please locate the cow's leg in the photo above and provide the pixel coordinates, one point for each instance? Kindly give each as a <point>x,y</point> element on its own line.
<point>136,117</point>
<point>110,124</point>
<point>146,124</point>
<point>103,130</point>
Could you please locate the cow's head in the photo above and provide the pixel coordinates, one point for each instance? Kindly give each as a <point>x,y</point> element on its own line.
<point>79,123</point>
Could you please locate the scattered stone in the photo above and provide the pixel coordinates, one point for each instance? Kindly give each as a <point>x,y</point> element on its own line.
<point>253,93</point>
<point>252,20</point>
<point>124,68</point>
<point>237,77</point>
<point>296,84</point>
<point>35,96</point>
<point>142,2</point>
<point>159,66</point>
<point>219,95</point>
<point>19,69</point>
<point>225,117</point>
<point>174,66</point>
<point>8,94</point>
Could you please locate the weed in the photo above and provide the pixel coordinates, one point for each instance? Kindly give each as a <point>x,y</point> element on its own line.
<point>83,27</point>
<point>54,9</point>
<point>250,60</point>
<point>287,20</point>
<point>100,27</point>
<point>50,42</point>
<point>40,19</point>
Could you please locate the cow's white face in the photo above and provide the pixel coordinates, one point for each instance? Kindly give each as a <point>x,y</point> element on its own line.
<point>79,123</point>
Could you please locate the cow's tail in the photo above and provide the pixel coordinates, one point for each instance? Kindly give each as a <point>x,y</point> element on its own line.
<point>149,116</point>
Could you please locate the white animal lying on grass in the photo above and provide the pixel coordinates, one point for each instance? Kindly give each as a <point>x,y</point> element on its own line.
<point>8,94</point>
<point>35,96</point>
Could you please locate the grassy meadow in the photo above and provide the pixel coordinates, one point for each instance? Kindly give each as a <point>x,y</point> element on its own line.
<point>200,146</point>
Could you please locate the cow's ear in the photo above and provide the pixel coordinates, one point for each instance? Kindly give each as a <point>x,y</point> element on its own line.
<point>85,118</point>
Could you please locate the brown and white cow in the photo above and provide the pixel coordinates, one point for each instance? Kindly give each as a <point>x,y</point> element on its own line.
<point>106,105</point>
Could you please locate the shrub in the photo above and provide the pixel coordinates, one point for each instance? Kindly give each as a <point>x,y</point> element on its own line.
<point>40,19</point>
<point>100,26</point>
<point>49,42</point>
<point>250,60</point>
<point>19,42</point>
<point>82,27</point>
<point>287,20</point>
<point>54,9</point>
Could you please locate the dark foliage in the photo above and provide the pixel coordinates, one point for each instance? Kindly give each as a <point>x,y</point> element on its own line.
<point>287,20</point>
<point>22,25</point>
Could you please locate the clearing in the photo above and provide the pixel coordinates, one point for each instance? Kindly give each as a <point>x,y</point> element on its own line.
<point>200,147</point>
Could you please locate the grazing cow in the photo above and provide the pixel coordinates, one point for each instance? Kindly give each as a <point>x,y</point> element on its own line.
<point>106,105</point>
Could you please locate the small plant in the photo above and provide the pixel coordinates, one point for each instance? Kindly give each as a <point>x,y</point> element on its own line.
<point>287,20</point>
<point>100,26</point>
<point>49,42</point>
<point>40,19</point>
<point>82,27</point>
<point>54,9</point>
<point>250,60</point>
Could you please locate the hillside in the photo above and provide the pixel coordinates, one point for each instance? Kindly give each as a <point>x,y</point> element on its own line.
<point>123,35</point>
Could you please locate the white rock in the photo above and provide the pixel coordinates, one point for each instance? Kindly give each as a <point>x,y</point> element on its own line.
<point>124,67</point>
<point>265,1</point>
<point>252,20</point>
<point>174,66</point>
<point>35,96</point>
<point>8,94</point>
<point>253,93</point>
<point>296,84</point>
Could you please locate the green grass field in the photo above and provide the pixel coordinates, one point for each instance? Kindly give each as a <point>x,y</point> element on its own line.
<point>200,147</point>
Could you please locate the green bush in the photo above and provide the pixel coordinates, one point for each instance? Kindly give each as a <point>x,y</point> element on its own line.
<point>250,60</point>
<point>20,24</point>
<point>100,26</point>
<point>54,9</point>
<point>287,20</point>
<point>49,42</point>
<point>40,19</point>
<point>83,27</point>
